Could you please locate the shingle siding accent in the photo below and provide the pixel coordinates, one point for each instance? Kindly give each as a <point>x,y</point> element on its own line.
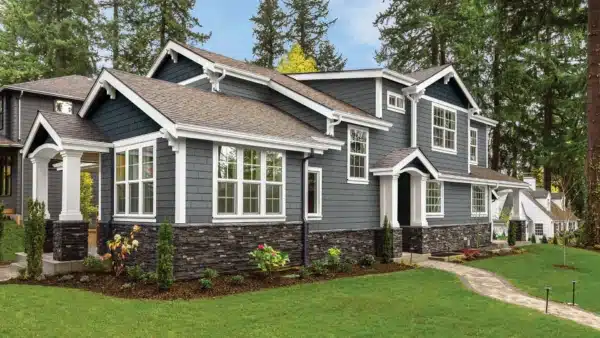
<point>481,151</point>
<point>450,93</point>
<point>165,181</point>
<point>457,206</point>
<point>177,72</point>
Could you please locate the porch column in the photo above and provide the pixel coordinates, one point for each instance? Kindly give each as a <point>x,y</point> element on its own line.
<point>70,185</point>
<point>388,197</point>
<point>418,188</point>
<point>40,181</point>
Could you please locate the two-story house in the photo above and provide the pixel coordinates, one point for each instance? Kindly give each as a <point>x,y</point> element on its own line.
<point>19,108</point>
<point>236,155</point>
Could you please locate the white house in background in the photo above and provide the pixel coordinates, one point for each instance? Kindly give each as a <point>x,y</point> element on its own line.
<point>545,213</point>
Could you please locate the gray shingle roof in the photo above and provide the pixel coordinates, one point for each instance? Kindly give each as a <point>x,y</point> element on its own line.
<point>73,126</point>
<point>72,86</point>
<point>393,158</point>
<point>424,74</point>
<point>185,105</point>
<point>485,174</point>
<point>539,193</point>
<point>6,142</point>
<point>281,79</point>
<point>559,214</point>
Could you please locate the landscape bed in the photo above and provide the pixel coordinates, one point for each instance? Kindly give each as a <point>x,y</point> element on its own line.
<point>110,285</point>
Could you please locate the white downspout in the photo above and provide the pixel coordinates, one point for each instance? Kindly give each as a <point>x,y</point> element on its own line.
<point>20,99</point>
<point>22,163</point>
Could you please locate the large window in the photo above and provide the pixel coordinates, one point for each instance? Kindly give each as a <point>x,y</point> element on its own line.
<point>473,146</point>
<point>479,200</point>
<point>314,193</point>
<point>62,106</point>
<point>539,229</point>
<point>5,175</point>
<point>395,102</point>
<point>443,129</point>
<point>135,180</point>
<point>434,199</point>
<point>358,155</point>
<point>249,183</point>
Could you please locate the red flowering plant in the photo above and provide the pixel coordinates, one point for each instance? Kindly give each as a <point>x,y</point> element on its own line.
<point>471,254</point>
<point>121,248</point>
<point>268,259</point>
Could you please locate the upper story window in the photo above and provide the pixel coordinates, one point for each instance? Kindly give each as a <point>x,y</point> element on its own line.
<point>249,183</point>
<point>473,146</point>
<point>434,199</point>
<point>62,106</point>
<point>135,180</point>
<point>443,129</point>
<point>478,200</point>
<point>358,155</point>
<point>395,102</point>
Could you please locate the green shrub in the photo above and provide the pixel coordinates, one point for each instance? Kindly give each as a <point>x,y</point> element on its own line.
<point>304,273</point>
<point>544,240</point>
<point>346,267</point>
<point>165,248</point>
<point>333,258</point>
<point>319,267</point>
<point>387,255</point>
<point>1,231</point>
<point>237,280</point>
<point>93,263</point>
<point>206,284</point>
<point>86,197</point>
<point>367,261</point>
<point>268,259</point>
<point>209,273</point>
<point>150,277</point>
<point>135,273</point>
<point>512,234</point>
<point>35,231</point>
<point>494,236</point>
<point>555,240</point>
<point>533,239</point>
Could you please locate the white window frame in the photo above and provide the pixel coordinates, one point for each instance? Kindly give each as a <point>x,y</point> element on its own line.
<point>535,229</point>
<point>239,216</point>
<point>127,215</point>
<point>438,148</point>
<point>64,102</point>
<point>318,215</point>
<point>435,214</point>
<point>477,214</point>
<point>399,98</point>
<point>471,138</point>
<point>357,180</point>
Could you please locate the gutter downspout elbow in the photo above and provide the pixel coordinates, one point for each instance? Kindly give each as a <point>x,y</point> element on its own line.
<point>305,225</point>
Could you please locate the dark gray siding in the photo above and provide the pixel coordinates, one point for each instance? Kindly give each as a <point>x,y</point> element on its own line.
<point>299,111</point>
<point>177,72</point>
<point>450,93</point>
<point>457,206</point>
<point>293,192</point>
<point>236,87</point>
<point>165,181</point>
<point>481,135</point>
<point>357,92</point>
<point>199,181</point>
<point>107,186</point>
<point>120,119</point>
<point>54,193</point>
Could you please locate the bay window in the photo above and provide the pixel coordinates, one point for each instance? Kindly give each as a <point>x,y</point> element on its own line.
<point>249,184</point>
<point>479,200</point>
<point>135,180</point>
<point>443,132</point>
<point>358,155</point>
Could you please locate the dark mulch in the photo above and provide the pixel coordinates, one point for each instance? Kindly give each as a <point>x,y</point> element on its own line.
<point>110,285</point>
<point>566,267</point>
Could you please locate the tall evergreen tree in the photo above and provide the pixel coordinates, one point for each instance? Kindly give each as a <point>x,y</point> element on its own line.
<point>268,31</point>
<point>309,23</point>
<point>174,20</point>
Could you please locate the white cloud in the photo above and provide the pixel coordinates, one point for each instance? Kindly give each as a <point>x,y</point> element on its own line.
<point>356,18</point>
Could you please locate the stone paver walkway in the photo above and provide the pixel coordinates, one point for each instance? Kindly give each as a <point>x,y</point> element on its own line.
<point>6,273</point>
<point>489,284</point>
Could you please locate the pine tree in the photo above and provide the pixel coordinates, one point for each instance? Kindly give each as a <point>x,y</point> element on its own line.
<point>295,61</point>
<point>269,35</point>
<point>329,59</point>
<point>174,21</point>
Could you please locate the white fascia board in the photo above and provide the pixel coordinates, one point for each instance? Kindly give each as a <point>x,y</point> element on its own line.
<point>374,123</point>
<point>85,145</point>
<point>179,50</point>
<point>333,144</point>
<point>242,74</point>
<point>91,95</point>
<point>138,139</point>
<point>356,74</point>
<point>471,180</point>
<point>41,121</point>
<point>228,136</point>
<point>328,113</point>
<point>193,79</point>
<point>397,77</point>
<point>132,96</point>
<point>485,120</point>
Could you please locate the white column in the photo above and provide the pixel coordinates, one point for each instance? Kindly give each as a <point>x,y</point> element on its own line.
<point>70,185</point>
<point>516,208</point>
<point>40,181</point>
<point>388,199</point>
<point>180,181</point>
<point>418,186</point>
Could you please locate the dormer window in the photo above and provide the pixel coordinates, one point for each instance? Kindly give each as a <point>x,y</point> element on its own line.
<point>395,102</point>
<point>62,106</point>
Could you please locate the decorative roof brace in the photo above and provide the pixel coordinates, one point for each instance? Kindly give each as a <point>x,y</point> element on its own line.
<point>447,77</point>
<point>214,78</point>
<point>173,54</point>
<point>331,123</point>
<point>110,90</point>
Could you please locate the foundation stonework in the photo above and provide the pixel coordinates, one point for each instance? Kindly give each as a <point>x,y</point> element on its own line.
<point>445,238</point>
<point>70,240</point>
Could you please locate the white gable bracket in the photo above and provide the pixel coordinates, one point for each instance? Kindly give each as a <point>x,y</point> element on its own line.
<point>173,55</point>
<point>447,77</point>
<point>110,90</point>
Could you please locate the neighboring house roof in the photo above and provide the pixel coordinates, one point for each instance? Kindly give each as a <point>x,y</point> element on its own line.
<point>483,175</point>
<point>73,127</point>
<point>562,215</point>
<point>557,195</point>
<point>528,193</point>
<point>539,193</point>
<point>70,87</point>
<point>191,106</point>
<point>7,143</point>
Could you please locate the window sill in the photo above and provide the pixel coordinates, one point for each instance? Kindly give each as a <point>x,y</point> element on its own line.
<point>444,150</point>
<point>135,218</point>
<point>434,215</point>
<point>473,163</point>
<point>248,218</point>
<point>314,217</point>
<point>358,181</point>
<point>397,110</point>
<point>479,215</point>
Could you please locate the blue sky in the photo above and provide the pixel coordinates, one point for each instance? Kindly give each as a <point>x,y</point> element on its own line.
<point>353,34</point>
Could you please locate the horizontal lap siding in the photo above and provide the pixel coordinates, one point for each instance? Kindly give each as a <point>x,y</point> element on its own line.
<point>177,72</point>
<point>481,135</point>
<point>165,181</point>
<point>236,87</point>
<point>457,206</point>
<point>357,92</point>
<point>299,111</point>
<point>107,186</point>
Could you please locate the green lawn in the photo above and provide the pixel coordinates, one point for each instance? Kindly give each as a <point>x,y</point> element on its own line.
<point>533,271</point>
<point>13,240</point>
<point>417,303</point>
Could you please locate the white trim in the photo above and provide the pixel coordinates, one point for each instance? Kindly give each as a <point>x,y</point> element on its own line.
<point>363,121</point>
<point>132,141</point>
<point>435,214</point>
<point>41,121</point>
<point>485,202</point>
<point>357,180</point>
<point>140,181</point>
<point>318,215</point>
<point>487,146</point>
<point>46,146</point>
<point>470,180</point>
<point>173,46</point>
<point>180,181</point>
<point>445,104</point>
<point>328,113</point>
<point>398,97</point>
<point>357,74</point>
<point>438,148</point>
<point>469,143</point>
<point>378,97</point>
<point>99,187</point>
<point>193,79</point>
<point>471,129</point>
<point>485,120</point>
<point>399,167</point>
<point>123,218</point>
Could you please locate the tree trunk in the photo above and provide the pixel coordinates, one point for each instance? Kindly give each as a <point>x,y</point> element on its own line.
<point>163,25</point>
<point>547,134</point>
<point>495,165</point>
<point>593,120</point>
<point>435,54</point>
<point>115,32</point>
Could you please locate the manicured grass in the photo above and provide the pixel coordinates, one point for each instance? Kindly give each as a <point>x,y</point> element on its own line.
<point>416,303</point>
<point>13,240</point>
<point>533,271</point>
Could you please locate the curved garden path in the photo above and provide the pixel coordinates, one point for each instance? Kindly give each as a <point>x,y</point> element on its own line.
<point>491,285</point>
<point>6,273</point>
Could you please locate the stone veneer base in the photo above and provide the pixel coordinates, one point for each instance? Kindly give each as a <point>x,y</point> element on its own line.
<point>70,240</point>
<point>445,238</point>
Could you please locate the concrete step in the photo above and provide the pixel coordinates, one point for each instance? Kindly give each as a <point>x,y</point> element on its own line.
<point>21,257</point>
<point>50,267</point>
<point>16,267</point>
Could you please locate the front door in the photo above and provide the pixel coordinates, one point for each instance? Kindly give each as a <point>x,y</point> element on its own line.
<point>404,199</point>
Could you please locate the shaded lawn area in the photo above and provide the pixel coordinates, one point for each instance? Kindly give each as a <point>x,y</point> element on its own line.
<point>416,303</point>
<point>12,241</point>
<point>533,271</point>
